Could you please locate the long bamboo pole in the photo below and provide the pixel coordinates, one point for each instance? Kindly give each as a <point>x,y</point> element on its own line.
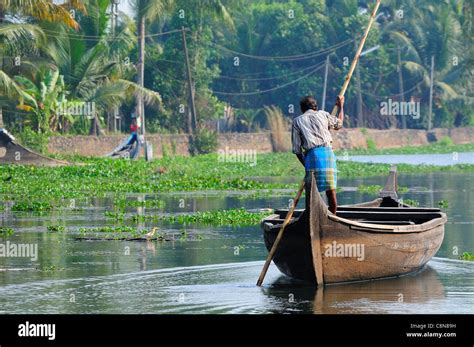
<point>335,110</point>
<point>280,235</point>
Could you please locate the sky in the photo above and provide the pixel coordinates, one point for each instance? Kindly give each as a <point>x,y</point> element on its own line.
<point>125,7</point>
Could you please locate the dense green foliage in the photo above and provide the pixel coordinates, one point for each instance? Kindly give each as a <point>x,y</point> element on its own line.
<point>246,54</point>
<point>203,141</point>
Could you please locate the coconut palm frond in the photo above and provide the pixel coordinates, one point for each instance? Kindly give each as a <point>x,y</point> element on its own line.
<point>415,68</point>
<point>41,9</point>
<point>150,9</point>
<point>150,97</point>
<point>447,92</point>
<point>13,32</point>
<point>11,89</point>
<point>218,8</point>
<point>8,86</point>
<point>124,40</point>
<point>406,43</point>
<point>108,96</point>
<point>77,4</point>
<point>58,44</point>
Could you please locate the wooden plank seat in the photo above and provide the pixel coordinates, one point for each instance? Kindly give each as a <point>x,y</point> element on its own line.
<point>388,222</point>
<point>378,215</point>
<point>385,216</point>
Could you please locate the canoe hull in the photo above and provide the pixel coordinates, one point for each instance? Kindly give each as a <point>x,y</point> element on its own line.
<point>378,239</point>
<point>294,255</point>
<point>352,255</point>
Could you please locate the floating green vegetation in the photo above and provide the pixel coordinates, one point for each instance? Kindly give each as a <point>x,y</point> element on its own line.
<point>443,203</point>
<point>55,228</point>
<point>114,233</point>
<point>370,189</point>
<point>46,188</point>
<point>234,217</point>
<point>50,268</point>
<point>184,235</point>
<point>125,233</point>
<point>375,189</point>
<point>107,229</point>
<point>32,206</point>
<point>467,256</point>
<point>5,231</point>
<point>115,215</point>
<point>411,202</point>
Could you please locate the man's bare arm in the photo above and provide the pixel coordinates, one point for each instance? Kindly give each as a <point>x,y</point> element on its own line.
<point>340,105</point>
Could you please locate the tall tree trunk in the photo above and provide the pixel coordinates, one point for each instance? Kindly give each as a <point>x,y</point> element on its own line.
<point>401,86</point>
<point>95,129</point>
<point>141,75</point>
<point>1,118</point>
<point>192,122</point>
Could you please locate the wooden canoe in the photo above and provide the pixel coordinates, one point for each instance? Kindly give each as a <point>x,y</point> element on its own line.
<point>377,239</point>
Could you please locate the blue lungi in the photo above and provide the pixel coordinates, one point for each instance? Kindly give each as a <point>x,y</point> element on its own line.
<point>321,161</point>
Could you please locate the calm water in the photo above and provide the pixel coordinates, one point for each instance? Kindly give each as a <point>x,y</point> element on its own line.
<point>216,272</point>
<point>416,159</point>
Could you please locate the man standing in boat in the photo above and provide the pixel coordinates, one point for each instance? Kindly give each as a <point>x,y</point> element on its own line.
<point>312,144</point>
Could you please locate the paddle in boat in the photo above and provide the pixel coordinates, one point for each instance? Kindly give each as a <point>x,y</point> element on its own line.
<point>377,239</point>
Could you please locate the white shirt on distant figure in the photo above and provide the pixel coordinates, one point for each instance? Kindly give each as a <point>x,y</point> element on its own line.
<point>311,130</point>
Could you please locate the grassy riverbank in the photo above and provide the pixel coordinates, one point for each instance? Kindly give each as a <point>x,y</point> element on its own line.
<point>35,187</point>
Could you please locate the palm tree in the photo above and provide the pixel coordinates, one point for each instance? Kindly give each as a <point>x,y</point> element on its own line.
<point>12,39</point>
<point>247,117</point>
<point>14,36</point>
<point>416,36</point>
<point>94,70</point>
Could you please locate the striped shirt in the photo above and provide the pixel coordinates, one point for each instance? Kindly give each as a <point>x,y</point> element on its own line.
<point>311,130</point>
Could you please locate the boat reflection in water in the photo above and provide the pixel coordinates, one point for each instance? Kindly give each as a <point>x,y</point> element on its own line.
<point>405,294</point>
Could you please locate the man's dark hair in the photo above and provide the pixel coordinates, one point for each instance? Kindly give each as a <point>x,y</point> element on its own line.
<point>308,103</point>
